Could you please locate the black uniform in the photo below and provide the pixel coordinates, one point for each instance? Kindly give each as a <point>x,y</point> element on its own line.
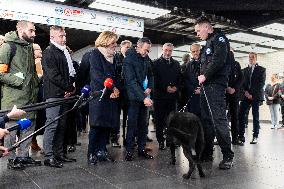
<point>235,81</point>
<point>215,67</point>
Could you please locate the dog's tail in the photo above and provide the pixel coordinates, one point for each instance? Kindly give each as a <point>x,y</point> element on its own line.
<point>181,135</point>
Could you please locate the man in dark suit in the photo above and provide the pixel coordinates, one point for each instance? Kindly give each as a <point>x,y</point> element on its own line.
<point>253,94</point>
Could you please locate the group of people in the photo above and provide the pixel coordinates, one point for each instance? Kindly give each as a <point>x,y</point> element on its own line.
<point>208,84</point>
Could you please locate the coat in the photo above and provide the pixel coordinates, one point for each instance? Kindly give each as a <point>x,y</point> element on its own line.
<point>101,113</point>
<point>18,78</point>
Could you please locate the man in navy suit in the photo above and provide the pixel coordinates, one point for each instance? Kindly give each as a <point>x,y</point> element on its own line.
<point>253,94</point>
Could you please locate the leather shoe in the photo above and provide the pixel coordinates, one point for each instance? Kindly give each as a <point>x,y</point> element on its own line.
<point>28,161</point>
<point>129,156</point>
<point>237,142</point>
<point>52,163</point>
<point>65,159</point>
<point>254,141</point>
<point>14,164</point>
<point>144,154</point>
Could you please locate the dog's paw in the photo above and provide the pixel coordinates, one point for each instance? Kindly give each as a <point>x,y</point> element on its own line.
<point>186,176</point>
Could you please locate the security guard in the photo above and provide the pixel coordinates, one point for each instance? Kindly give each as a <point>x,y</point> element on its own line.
<point>214,80</point>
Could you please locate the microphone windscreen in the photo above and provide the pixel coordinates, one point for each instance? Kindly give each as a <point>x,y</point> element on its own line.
<point>108,83</point>
<point>24,123</point>
<point>86,90</point>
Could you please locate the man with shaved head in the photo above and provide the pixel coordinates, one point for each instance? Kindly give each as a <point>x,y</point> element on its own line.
<point>167,76</point>
<point>19,85</point>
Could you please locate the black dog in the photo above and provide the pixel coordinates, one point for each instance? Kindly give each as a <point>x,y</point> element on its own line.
<point>186,128</point>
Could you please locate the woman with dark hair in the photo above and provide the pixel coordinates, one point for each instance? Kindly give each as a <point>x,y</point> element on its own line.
<point>102,113</point>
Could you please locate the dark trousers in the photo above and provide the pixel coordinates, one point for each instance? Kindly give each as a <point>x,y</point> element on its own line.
<point>220,127</point>
<point>162,108</point>
<point>233,105</point>
<point>97,139</point>
<point>136,124</point>
<point>71,129</point>
<point>193,105</point>
<point>244,107</point>
<point>121,107</point>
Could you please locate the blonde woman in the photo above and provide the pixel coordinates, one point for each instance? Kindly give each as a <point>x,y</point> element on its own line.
<point>272,95</point>
<point>102,114</point>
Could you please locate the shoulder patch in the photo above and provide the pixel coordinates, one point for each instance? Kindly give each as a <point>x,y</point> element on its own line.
<point>221,39</point>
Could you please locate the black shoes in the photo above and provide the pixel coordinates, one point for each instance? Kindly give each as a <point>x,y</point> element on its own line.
<point>144,154</point>
<point>64,159</point>
<point>14,164</point>
<point>53,163</point>
<point>22,162</point>
<point>162,146</point>
<point>237,142</point>
<point>226,163</point>
<point>129,156</point>
<point>254,140</point>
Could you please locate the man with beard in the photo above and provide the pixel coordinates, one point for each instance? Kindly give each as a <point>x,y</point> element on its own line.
<point>19,85</point>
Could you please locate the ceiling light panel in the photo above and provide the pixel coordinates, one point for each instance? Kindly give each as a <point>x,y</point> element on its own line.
<point>236,45</point>
<point>249,38</point>
<point>129,8</point>
<point>276,44</point>
<point>239,55</point>
<point>272,29</point>
<point>256,49</point>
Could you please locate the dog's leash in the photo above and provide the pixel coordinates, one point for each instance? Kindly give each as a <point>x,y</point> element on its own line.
<point>209,107</point>
<point>185,106</point>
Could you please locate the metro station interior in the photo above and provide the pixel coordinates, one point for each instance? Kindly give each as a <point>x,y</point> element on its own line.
<point>251,26</point>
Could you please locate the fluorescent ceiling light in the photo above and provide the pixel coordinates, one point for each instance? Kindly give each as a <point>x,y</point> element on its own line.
<point>129,8</point>
<point>239,55</point>
<point>60,0</point>
<point>236,45</point>
<point>272,29</point>
<point>249,38</point>
<point>256,49</point>
<point>276,43</point>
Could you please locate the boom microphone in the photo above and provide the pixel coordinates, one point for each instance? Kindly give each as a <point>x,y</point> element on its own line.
<point>108,84</point>
<point>22,124</point>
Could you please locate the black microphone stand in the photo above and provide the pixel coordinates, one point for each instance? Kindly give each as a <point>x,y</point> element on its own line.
<point>76,105</point>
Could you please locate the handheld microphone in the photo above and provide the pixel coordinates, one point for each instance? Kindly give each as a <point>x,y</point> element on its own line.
<point>22,124</point>
<point>84,93</point>
<point>108,84</point>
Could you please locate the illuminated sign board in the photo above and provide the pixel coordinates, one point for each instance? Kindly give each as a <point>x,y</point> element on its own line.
<point>71,17</point>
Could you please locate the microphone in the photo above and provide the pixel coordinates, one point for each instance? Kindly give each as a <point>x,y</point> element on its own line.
<point>22,124</point>
<point>108,84</point>
<point>84,93</point>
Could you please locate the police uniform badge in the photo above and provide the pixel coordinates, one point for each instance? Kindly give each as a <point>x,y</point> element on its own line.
<point>221,39</point>
<point>208,51</point>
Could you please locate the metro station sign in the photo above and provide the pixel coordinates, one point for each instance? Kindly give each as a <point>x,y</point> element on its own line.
<point>71,17</point>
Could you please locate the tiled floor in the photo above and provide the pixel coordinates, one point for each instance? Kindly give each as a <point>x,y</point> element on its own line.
<point>257,166</point>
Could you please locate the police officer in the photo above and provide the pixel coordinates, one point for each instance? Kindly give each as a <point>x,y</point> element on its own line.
<point>214,80</point>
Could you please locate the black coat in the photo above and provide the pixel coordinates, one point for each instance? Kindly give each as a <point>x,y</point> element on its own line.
<point>56,80</point>
<point>102,113</point>
<point>255,87</point>
<point>83,76</point>
<point>215,59</point>
<point>166,73</point>
<point>136,68</point>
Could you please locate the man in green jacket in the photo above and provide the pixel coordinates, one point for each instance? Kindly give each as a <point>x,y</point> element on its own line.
<point>19,84</point>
